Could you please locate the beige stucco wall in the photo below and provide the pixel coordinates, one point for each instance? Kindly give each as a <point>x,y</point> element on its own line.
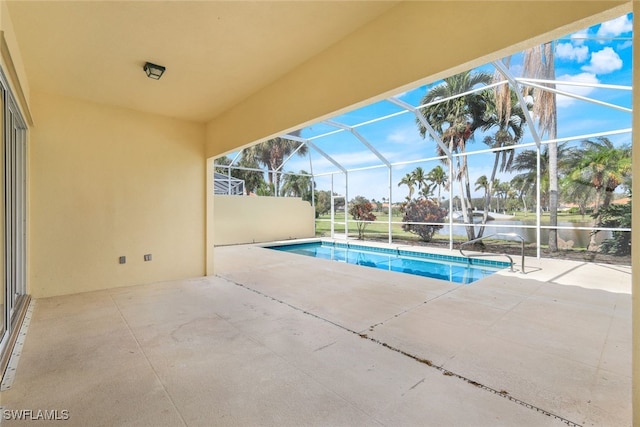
<point>241,219</point>
<point>107,182</point>
<point>12,63</point>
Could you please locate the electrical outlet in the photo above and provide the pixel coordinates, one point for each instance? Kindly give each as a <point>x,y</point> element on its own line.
<point>122,260</point>
<point>147,257</point>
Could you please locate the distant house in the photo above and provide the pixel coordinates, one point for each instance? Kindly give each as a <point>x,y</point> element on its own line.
<point>225,184</point>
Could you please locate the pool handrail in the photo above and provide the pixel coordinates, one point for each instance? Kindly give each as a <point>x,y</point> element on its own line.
<point>494,235</point>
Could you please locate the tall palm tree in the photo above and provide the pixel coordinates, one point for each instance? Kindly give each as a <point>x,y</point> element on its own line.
<point>438,179</point>
<point>272,153</point>
<point>419,177</point>
<point>539,63</point>
<point>522,189</point>
<point>505,113</point>
<point>502,191</point>
<point>482,183</point>
<point>409,182</point>
<point>455,120</point>
<point>252,179</point>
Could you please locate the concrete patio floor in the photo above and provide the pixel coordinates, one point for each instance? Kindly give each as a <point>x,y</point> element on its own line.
<point>281,339</point>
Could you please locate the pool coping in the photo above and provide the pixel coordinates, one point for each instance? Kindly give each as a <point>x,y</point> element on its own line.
<point>406,250</point>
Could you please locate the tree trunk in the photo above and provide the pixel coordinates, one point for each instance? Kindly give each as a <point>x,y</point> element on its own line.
<point>467,217</point>
<point>553,195</point>
<point>550,73</point>
<point>466,197</point>
<point>593,245</point>
<point>485,214</point>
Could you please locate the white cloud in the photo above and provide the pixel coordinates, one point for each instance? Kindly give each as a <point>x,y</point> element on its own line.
<point>400,136</point>
<point>573,53</point>
<point>322,165</point>
<point>404,135</point>
<point>579,37</point>
<point>354,159</point>
<point>603,62</point>
<point>565,101</point>
<point>615,27</point>
<point>625,45</point>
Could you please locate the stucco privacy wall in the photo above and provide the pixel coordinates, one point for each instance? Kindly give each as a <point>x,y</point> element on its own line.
<point>261,219</point>
<point>415,42</point>
<point>108,182</point>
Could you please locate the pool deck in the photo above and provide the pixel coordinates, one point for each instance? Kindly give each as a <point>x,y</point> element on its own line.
<point>281,339</point>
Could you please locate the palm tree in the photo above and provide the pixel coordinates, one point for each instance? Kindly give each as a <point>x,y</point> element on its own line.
<point>419,177</point>
<point>409,182</point>
<point>522,188</point>
<point>272,154</point>
<point>578,193</point>
<point>222,161</point>
<point>539,63</point>
<point>502,191</point>
<point>525,162</point>
<point>297,185</point>
<point>455,120</point>
<point>482,183</point>
<point>507,114</point>
<point>438,179</point>
<point>252,179</point>
<point>602,166</point>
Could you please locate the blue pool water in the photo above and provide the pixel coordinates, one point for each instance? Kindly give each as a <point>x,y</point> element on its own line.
<point>444,267</point>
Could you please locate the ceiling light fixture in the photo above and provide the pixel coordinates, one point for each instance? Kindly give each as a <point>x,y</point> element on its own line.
<point>153,71</point>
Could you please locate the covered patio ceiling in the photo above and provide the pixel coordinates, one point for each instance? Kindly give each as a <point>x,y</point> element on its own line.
<point>217,53</point>
<point>224,59</point>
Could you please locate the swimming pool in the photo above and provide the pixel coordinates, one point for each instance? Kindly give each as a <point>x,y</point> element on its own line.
<point>444,267</point>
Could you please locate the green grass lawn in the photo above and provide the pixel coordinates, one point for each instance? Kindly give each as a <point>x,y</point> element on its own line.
<point>379,229</point>
<point>544,218</point>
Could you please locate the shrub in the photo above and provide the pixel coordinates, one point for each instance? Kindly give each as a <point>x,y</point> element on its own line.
<point>361,210</point>
<point>423,210</point>
<point>616,216</point>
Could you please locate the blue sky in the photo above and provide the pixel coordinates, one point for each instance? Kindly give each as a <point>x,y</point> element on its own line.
<point>601,54</point>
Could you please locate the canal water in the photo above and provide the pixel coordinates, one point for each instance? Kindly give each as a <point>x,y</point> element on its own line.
<point>580,238</point>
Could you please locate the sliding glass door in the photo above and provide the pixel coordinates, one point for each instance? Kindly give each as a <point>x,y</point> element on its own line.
<point>13,250</point>
<point>4,221</point>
